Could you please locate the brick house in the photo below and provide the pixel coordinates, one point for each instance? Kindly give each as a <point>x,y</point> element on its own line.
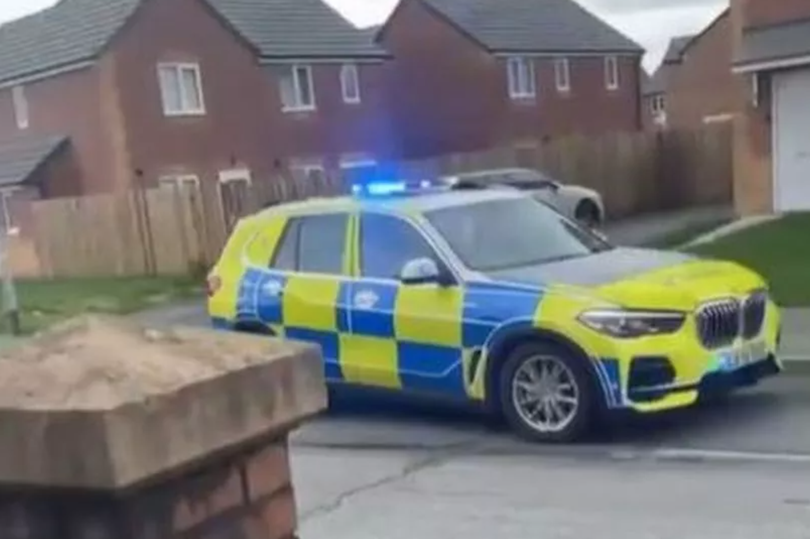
<point>152,92</point>
<point>472,74</point>
<point>771,53</point>
<point>653,100</point>
<point>700,88</point>
<point>654,89</point>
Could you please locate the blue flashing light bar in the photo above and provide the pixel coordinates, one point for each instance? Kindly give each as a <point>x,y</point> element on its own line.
<point>379,183</point>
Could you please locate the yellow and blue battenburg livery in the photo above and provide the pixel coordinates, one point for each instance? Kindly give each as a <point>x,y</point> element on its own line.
<point>490,296</point>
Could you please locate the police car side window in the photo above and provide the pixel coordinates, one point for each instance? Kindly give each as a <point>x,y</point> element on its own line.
<point>286,255</point>
<point>387,243</point>
<point>322,239</point>
<point>313,244</point>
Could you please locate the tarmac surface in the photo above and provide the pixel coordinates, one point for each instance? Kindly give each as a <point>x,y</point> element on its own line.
<point>375,468</point>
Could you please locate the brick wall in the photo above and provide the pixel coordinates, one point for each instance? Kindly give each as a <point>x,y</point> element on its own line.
<point>247,496</point>
<point>753,164</point>
<point>702,85</point>
<point>763,12</point>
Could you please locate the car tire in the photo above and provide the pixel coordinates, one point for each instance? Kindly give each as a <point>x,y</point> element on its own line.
<point>513,378</point>
<point>587,213</point>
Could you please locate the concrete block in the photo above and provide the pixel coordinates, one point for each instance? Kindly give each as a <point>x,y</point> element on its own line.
<point>102,403</point>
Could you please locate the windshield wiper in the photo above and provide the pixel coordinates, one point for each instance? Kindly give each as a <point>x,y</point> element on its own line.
<point>561,258</point>
<point>527,263</point>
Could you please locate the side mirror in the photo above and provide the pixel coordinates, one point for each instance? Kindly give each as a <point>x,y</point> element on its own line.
<point>552,184</point>
<point>421,271</point>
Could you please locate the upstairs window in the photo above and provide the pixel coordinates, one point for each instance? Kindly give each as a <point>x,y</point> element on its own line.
<point>562,74</point>
<point>350,83</point>
<point>20,106</point>
<point>657,104</point>
<point>611,73</point>
<point>181,89</point>
<point>520,73</point>
<point>297,90</point>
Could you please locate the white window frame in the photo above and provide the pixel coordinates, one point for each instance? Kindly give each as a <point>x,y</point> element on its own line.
<point>307,167</point>
<point>347,73</point>
<point>612,72</point>
<point>178,181</point>
<point>299,105</point>
<point>657,104</point>
<point>562,74</point>
<point>718,118</point>
<point>8,221</point>
<point>235,175</point>
<point>185,108</point>
<point>521,78</point>
<point>21,112</point>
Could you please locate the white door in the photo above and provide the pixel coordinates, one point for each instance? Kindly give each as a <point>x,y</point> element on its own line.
<point>791,141</point>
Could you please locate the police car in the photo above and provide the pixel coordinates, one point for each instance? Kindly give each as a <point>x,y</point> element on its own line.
<point>494,298</point>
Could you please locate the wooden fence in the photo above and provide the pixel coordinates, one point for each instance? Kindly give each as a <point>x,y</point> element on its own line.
<point>161,231</point>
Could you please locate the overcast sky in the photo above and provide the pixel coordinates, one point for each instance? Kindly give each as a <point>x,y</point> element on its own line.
<point>650,22</point>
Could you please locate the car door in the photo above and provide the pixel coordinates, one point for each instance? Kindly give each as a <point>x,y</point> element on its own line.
<point>402,336</point>
<point>302,292</point>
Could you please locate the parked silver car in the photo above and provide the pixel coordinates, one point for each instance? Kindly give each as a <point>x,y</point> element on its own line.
<point>574,201</point>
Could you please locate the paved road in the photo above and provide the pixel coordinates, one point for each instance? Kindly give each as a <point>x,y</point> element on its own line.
<point>738,469</point>
<point>440,495</point>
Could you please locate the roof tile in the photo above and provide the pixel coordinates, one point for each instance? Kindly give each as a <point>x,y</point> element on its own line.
<point>73,31</point>
<point>20,157</point>
<point>67,33</point>
<point>296,28</point>
<point>535,26</point>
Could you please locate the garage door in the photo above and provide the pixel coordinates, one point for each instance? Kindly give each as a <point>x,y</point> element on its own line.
<point>791,124</point>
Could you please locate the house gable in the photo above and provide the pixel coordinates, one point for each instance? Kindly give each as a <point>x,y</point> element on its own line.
<point>694,40</point>
<point>396,14</point>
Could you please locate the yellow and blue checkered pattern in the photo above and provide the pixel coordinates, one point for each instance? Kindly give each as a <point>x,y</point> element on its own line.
<point>411,337</point>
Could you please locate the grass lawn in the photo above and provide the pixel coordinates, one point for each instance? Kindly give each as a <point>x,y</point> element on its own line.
<point>682,236</point>
<point>44,302</point>
<point>779,250</point>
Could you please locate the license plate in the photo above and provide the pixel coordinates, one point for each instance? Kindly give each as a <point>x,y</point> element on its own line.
<point>744,355</point>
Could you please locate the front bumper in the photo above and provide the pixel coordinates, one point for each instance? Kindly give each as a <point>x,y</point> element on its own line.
<point>669,372</point>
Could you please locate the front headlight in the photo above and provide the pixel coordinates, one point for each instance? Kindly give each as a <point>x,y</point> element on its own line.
<point>628,323</point>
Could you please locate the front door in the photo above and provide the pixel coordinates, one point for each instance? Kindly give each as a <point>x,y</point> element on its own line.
<point>791,140</point>
<point>402,336</point>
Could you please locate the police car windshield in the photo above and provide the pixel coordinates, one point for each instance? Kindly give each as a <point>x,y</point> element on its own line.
<point>510,233</point>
